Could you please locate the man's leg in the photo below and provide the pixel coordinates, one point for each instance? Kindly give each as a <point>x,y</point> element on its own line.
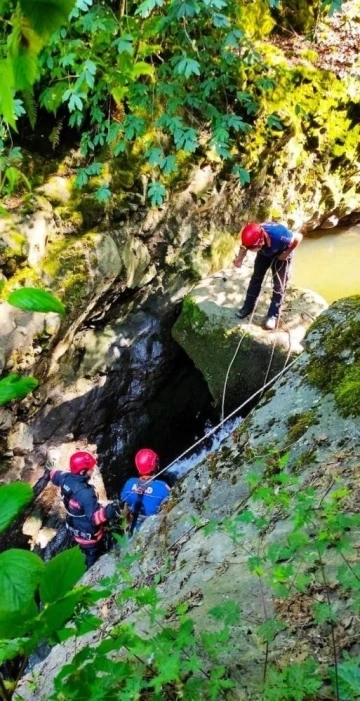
<point>91,553</point>
<point>261,266</point>
<point>281,272</point>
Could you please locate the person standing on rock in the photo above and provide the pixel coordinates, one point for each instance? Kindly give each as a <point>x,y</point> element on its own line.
<point>85,517</point>
<point>274,245</point>
<point>144,495</point>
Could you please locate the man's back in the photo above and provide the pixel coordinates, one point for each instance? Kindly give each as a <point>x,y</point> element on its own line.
<point>151,494</point>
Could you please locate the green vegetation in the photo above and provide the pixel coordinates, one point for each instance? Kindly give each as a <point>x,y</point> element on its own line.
<point>336,369</point>
<point>299,423</point>
<point>314,558</point>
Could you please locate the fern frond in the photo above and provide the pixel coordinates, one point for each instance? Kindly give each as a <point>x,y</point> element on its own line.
<point>30,107</point>
<point>54,137</point>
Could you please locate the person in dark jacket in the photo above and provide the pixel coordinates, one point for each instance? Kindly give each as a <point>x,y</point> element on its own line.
<point>274,245</point>
<point>144,495</point>
<point>85,517</point>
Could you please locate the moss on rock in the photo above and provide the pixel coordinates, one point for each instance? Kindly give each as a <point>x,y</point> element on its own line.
<point>335,365</point>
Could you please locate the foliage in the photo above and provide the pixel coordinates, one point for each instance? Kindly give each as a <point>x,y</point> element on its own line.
<point>13,497</point>
<point>132,664</point>
<point>32,22</point>
<point>31,299</point>
<point>16,387</point>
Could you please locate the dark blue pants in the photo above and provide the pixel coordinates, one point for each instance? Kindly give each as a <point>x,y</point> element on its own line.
<point>92,553</point>
<point>280,272</point>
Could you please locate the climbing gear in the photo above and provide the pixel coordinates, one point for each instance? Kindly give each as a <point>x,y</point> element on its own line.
<point>252,235</point>
<point>243,312</point>
<point>67,495</point>
<point>146,461</point>
<point>270,323</point>
<point>81,461</point>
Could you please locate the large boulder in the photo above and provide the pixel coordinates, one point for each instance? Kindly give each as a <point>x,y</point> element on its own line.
<point>280,496</point>
<point>211,335</point>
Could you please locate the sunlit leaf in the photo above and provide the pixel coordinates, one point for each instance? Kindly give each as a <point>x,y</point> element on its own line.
<point>13,498</point>
<point>20,574</point>
<point>61,574</point>
<point>46,16</point>
<point>16,387</point>
<point>32,299</point>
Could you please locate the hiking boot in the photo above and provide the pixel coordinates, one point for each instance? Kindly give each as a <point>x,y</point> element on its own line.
<point>270,323</point>
<point>243,312</point>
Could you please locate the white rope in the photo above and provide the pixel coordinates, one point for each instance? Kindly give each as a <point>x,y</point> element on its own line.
<point>237,350</point>
<point>283,288</point>
<point>213,430</point>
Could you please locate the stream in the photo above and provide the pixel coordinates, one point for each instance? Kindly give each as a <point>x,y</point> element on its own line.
<point>328,263</point>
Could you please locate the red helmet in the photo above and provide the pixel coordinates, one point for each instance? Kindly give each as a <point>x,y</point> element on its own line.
<point>252,235</point>
<point>146,461</point>
<point>81,461</point>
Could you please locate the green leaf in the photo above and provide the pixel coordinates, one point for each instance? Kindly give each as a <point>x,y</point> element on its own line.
<point>146,8</point>
<point>57,613</point>
<point>20,575</point>
<point>13,498</point>
<point>156,193</point>
<point>46,16</point>
<point>348,674</point>
<point>142,68</point>
<point>16,387</point>
<point>103,194</point>
<point>32,299</point>
<point>332,6</point>
<point>273,122</point>
<point>220,20</point>
<point>242,174</point>
<point>124,44</point>
<point>11,648</point>
<point>61,574</point>
<point>187,67</point>
<point>270,629</point>
<point>229,613</point>
<point>6,93</point>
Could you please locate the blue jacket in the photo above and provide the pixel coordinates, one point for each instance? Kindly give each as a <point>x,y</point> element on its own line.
<point>83,511</point>
<point>150,500</point>
<point>280,237</point>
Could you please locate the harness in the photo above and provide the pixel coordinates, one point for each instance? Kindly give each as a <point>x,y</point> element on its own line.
<point>67,493</point>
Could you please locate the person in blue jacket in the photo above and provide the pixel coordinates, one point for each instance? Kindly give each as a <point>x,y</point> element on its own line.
<point>274,245</point>
<point>144,495</point>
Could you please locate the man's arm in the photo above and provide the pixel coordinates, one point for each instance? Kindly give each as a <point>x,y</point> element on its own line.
<point>238,261</point>
<point>297,238</point>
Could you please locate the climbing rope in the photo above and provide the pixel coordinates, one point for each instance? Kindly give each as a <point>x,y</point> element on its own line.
<point>213,430</point>
<point>282,290</point>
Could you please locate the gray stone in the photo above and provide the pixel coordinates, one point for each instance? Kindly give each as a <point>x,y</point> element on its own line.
<point>211,335</point>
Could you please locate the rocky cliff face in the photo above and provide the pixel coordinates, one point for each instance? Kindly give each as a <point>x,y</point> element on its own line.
<point>281,498</point>
<point>211,335</point>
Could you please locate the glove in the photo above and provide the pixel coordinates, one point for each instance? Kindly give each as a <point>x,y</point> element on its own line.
<point>41,483</point>
<point>112,511</point>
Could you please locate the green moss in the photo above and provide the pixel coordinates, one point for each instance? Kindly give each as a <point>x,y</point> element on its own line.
<point>25,277</point>
<point>336,368</point>
<point>298,424</point>
<point>223,250</point>
<point>191,316</point>
<point>347,393</point>
<point>67,265</point>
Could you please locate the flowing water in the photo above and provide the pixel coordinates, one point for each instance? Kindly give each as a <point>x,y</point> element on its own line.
<point>328,263</point>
